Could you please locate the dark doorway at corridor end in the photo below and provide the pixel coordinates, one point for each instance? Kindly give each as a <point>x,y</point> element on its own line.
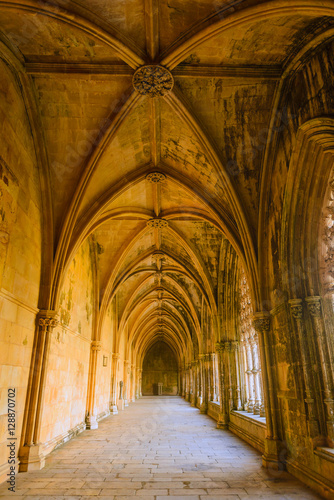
<point>160,371</point>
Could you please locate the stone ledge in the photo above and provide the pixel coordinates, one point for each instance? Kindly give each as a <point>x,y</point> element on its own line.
<point>255,419</point>
<point>325,453</point>
<point>250,428</point>
<point>311,478</point>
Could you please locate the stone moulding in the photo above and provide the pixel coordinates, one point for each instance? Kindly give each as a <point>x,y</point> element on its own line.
<point>153,80</point>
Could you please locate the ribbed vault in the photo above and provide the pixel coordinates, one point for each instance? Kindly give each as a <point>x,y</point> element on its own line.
<point>155,196</point>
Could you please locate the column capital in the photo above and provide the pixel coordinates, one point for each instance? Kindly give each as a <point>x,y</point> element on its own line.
<point>235,345</point>
<point>95,345</point>
<point>261,322</point>
<point>296,307</point>
<point>314,305</point>
<point>220,346</point>
<point>115,356</point>
<point>47,318</point>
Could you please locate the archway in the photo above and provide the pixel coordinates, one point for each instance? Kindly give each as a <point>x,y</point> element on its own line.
<point>160,367</point>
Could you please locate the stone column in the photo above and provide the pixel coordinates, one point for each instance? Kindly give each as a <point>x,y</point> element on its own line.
<point>204,383</point>
<point>133,383</point>
<point>193,396</point>
<point>187,397</point>
<point>235,353</point>
<point>113,402</point>
<point>140,382</point>
<point>223,407</point>
<point>296,308</point>
<point>137,383</point>
<point>256,374</point>
<point>31,451</point>
<point>250,376</point>
<point>315,311</point>
<point>272,445</point>
<point>126,382</point>
<point>91,422</point>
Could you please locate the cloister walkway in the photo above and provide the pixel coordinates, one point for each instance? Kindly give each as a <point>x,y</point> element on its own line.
<point>157,448</point>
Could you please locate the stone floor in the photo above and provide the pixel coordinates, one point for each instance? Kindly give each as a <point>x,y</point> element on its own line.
<point>157,448</point>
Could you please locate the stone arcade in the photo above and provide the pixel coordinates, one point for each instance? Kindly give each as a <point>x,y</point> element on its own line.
<point>167,220</point>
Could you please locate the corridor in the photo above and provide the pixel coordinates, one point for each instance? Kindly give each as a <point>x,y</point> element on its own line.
<point>158,448</point>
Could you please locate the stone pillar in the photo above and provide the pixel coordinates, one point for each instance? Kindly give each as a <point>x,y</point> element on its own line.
<point>204,383</point>
<point>137,383</point>
<point>113,402</point>
<point>140,382</point>
<point>296,308</point>
<point>235,354</point>
<point>256,374</point>
<point>133,383</point>
<point>120,401</point>
<point>126,382</point>
<point>319,333</point>
<point>250,377</point>
<point>31,454</point>
<point>91,422</point>
<point>223,413</point>
<point>160,384</point>
<point>193,395</point>
<point>188,374</point>
<point>272,445</point>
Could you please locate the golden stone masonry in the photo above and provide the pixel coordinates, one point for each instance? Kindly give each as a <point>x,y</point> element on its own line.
<point>167,232</point>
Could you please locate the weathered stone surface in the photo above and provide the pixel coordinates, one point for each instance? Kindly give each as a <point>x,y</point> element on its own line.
<point>197,223</point>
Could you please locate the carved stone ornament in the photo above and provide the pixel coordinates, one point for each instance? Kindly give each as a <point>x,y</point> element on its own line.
<point>95,345</point>
<point>155,177</point>
<point>296,308</point>
<point>314,306</point>
<point>261,324</point>
<point>157,223</point>
<point>220,346</point>
<point>47,321</point>
<point>153,80</point>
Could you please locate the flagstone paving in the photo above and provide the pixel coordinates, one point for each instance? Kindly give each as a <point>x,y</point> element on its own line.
<point>158,448</point>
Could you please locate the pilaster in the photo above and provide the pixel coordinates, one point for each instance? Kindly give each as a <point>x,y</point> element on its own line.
<point>91,421</point>
<point>31,454</point>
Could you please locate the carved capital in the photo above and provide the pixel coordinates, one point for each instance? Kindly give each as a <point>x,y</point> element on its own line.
<point>155,177</point>
<point>296,308</point>
<point>153,80</point>
<point>314,306</point>
<point>220,346</point>
<point>261,322</point>
<point>47,319</point>
<point>227,346</point>
<point>235,345</point>
<point>95,345</point>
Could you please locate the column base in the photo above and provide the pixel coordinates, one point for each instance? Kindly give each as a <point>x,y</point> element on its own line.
<point>31,458</point>
<point>126,402</point>
<point>187,397</point>
<point>113,410</point>
<point>120,404</point>
<point>222,422</point>
<point>273,457</point>
<point>91,422</point>
<point>204,408</point>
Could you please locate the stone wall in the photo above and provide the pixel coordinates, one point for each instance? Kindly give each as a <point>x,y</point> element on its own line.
<point>20,252</point>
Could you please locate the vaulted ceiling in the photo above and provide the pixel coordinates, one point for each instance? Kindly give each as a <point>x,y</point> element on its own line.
<point>159,183</point>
